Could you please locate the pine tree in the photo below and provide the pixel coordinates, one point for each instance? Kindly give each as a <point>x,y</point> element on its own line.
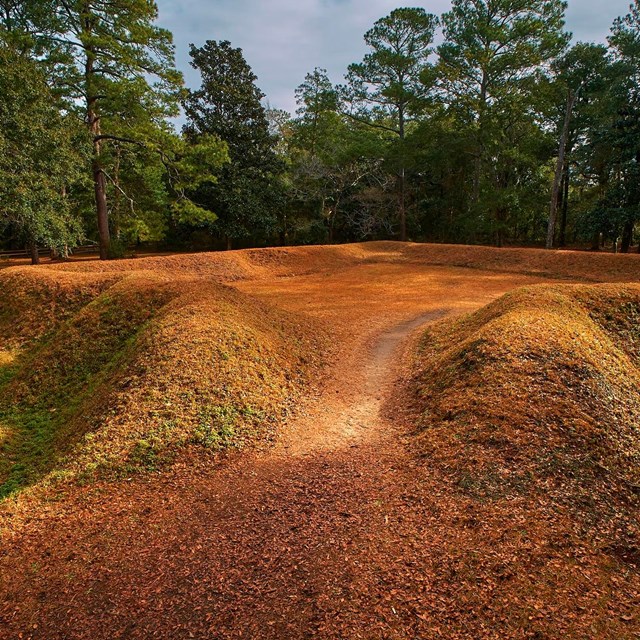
<point>317,104</point>
<point>384,90</point>
<point>494,51</point>
<point>578,75</point>
<point>111,58</point>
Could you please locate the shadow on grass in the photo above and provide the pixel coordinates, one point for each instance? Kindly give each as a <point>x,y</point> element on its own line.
<point>51,383</point>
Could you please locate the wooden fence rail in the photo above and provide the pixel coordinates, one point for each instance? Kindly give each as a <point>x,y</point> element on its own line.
<point>23,253</point>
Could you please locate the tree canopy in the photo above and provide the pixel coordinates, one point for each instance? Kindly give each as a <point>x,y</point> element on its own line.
<point>42,153</point>
<point>247,191</point>
<point>503,132</point>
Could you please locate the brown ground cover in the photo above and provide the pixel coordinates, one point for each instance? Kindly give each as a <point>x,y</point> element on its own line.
<point>484,488</point>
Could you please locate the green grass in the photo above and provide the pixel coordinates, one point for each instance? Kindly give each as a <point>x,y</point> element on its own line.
<point>25,452</point>
<point>119,386</point>
<point>61,377</point>
<point>222,426</point>
<point>7,372</point>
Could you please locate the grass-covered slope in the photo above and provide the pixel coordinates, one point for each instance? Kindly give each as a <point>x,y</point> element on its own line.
<point>528,424</point>
<point>33,302</point>
<point>110,372</point>
<point>542,384</point>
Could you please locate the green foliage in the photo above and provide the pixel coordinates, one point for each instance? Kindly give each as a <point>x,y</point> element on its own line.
<point>114,69</point>
<point>317,100</point>
<point>41,157</point>
<point>217,426</point>
<point>457,143</point>
<point>108,56</point>
<point>384,91</point>
<point>386,84</point>
<point>246,193</point>
<point>333,163</point>
<point>611,157</point>
<point>487,76</point>
<point>493,47</point>
<point>197,164</point>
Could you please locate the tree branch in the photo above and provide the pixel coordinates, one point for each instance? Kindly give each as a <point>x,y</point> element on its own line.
<point>119,188</point>
<point>375,125</point>
<point>104,136</point>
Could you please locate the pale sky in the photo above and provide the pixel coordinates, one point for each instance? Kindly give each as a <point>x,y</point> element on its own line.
<point>283,40</point>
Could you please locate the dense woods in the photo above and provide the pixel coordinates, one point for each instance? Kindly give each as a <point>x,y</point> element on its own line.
<point>506,132</point>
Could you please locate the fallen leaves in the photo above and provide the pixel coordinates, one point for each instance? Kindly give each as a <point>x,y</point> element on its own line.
<point>379,539</point>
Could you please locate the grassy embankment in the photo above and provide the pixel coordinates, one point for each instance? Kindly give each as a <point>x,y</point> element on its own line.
<point>528,425</point>
<point>106,373</point>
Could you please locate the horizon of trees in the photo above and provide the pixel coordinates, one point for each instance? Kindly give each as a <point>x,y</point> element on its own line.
<point>505,133</point>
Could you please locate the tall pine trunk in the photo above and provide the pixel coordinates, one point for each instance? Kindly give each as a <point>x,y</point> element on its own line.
<point>100,192</point>
<point>402,212</point>
<point>93,122</point>
<point>557,178</point>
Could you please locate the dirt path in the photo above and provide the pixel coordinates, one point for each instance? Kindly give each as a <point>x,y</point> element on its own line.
<point>349,410</point>
<point>327,535</point>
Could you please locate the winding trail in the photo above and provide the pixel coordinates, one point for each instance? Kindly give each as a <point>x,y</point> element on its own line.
<point>326,535</point>
<point>348,412</point>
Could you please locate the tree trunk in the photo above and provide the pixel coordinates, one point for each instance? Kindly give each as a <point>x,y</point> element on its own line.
<point>500,217</point>
<point>93,122</point>
<point>282,234</point>
<point>229,243</point>
<point>561,193</point>
<point>402,178</point>
<point>117,194</point>
<point>479,161</point>
<point>555,191</point>
<point>595,242</point>
<point>565,208</point>
<point>333,216</point>
<point>401,205</point>
<point>627,237</point>
<point>100,189</point>
<point>32,247</point>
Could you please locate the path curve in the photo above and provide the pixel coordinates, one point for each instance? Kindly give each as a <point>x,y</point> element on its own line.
<point>326,535</point>
<point>349,409</point>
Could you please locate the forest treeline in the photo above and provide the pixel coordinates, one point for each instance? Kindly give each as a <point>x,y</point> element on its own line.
<point>483,125</point>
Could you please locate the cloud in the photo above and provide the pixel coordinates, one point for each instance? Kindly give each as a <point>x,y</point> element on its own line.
<point>591,20</point>
<point>283,40</point>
